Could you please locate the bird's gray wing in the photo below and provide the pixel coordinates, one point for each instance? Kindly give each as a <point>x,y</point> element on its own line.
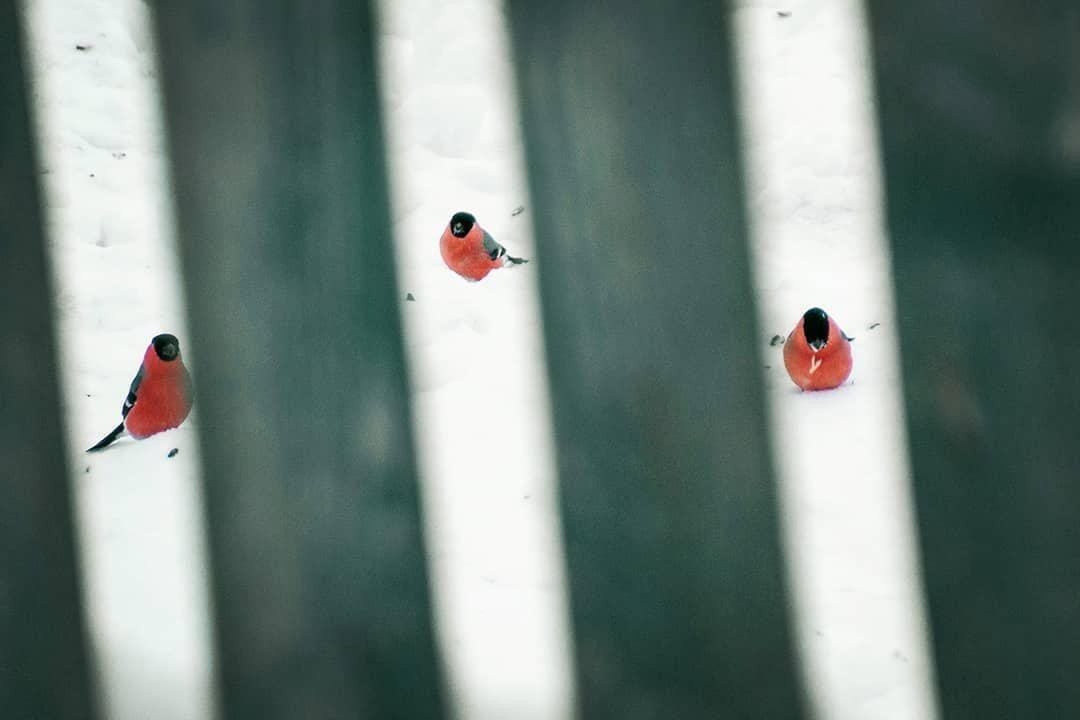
<point>133,393</point>
<point>492,248</point>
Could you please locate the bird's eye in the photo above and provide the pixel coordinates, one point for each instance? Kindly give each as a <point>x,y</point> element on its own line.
<point>457,227</point>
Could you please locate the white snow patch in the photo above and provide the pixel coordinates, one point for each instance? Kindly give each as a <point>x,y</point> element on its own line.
<point>138,512</point>
<point>477,364</point>
<point>815,201</point>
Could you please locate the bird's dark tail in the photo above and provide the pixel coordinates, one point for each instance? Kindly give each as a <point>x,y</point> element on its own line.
<point>108,439</point>
<point>516,261</point>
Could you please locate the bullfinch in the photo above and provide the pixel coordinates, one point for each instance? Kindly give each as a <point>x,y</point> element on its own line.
<point>817,353</point>
<point>160,396</point>
<point>469,251</point>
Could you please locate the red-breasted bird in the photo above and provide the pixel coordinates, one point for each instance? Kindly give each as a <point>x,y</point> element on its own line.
<point>160,395</point>
<point>817,353</point>
<point>469,251</point>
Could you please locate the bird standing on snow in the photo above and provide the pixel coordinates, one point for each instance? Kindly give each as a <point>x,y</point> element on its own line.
<point>160,394</point>
<point>469,251</point>
<point>817,354</point>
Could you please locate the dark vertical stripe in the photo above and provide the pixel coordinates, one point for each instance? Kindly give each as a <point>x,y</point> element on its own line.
<point>319,585</point>
<point>980,122</point>
<point>666,485</point>
<point>43,659</point>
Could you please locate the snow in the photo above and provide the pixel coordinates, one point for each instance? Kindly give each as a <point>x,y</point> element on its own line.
<point>816,213</point>
<point>138,512</point>
<point>477,361</point>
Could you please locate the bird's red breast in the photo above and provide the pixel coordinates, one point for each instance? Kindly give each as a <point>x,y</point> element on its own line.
<point>164,397</point>
<point>823,369</point>
<point>466,255</point>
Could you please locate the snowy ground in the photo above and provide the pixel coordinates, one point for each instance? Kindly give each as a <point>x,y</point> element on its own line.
<point>493,537</point>
<point>494,554</point>
<point>815,206</point>
<point>138,511</point>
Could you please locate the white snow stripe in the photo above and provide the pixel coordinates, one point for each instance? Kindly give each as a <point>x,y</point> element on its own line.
<point>815,204</point>
<point>138,510</point>
<point>477,369</point>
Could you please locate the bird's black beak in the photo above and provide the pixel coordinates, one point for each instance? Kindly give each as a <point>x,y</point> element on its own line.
<point>461,223</point>
<point>166,346</point>
<point>816,328</point>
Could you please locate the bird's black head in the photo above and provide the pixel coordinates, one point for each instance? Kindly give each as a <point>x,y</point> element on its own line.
<point>167,347</point>
<point>461,224</point>
<point>816,328</point>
